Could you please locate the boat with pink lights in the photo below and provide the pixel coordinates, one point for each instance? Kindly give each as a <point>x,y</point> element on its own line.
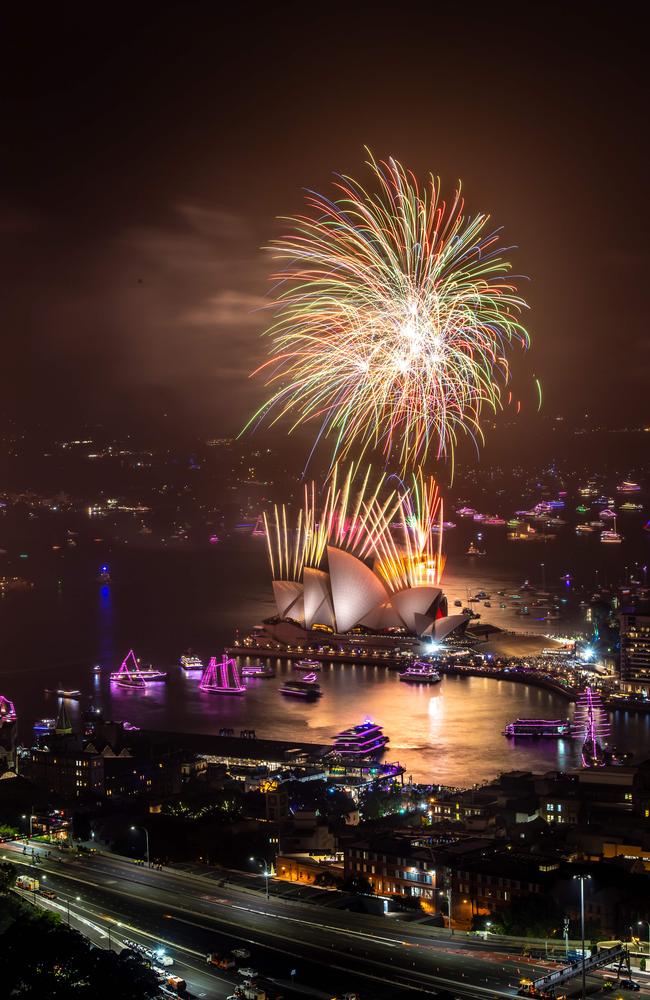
<point>131,666</point>
<point>364,740</point>
<point>222,678</point>
<point>129,675</point>
<point>627,486</point>
<point>301,689</point>
<point>535,729</point>
<point>307,665</point>
<point>7,710</point>
<point>420,672</point>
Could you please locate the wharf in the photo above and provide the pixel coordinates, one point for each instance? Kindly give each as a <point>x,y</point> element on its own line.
<point>532,679</point>
<point>243,747</point>
<point>272,653</point>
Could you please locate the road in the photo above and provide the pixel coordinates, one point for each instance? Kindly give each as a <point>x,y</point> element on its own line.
<point>331,951</point>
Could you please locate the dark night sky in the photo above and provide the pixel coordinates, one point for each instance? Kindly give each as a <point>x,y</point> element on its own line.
<point>148,151</point>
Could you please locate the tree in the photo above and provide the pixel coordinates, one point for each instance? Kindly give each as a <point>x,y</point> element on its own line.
<point>7,876</point>
<point>530,916</point>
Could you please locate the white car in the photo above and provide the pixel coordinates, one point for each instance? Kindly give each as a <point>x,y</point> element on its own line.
<point>164,959</point>
<point>248,973</point>
<point>241,953</point>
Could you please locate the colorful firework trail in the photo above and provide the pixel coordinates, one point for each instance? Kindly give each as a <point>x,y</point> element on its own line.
<point>400,532</point>
<point>394,318</point>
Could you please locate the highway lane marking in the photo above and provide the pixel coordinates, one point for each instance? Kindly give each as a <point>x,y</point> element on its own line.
<point>444,946</point>
<point>436,979</point>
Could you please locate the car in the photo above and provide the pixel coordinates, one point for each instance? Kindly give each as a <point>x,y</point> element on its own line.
<point>47,893</point>
<point>159,973</point>
<point>629,984</point>
<point>163,958</point>
<point>241,953</point>
<point>247,972</point>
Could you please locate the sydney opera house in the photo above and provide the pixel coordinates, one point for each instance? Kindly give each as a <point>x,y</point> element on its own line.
<point>363,563</point>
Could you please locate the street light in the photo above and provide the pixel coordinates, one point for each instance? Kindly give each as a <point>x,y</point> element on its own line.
<point>266,872</point>
<point>641,923</point>
<point>447,893</point>
<point>146,833</point>
<point>78,899</point>
<point>582,879</point>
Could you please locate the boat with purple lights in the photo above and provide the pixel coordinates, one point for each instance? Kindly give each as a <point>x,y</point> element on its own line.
<point>420,672</point>
<point>364,740</point>
<point>535,729</point>
<point>222,678</point>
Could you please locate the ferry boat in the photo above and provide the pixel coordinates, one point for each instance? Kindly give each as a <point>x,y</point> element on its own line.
<point>420,673</point>
<point>631,506</point>
<point>307,665</point>
<point>556,729</point>
<point>627,486</point>
<point>610,538</point>
<point>190,662</point>
<point>301,689</point>
<point>257,670</point>
<point>71,693</point>
<point>364,740</point>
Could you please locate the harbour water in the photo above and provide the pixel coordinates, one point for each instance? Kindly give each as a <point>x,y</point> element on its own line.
<point>163,602</point>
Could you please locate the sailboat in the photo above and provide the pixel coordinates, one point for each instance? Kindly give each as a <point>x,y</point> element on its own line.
<point>129,675</point>
<point>222,678</point>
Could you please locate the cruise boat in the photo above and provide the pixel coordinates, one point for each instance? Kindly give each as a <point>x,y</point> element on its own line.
<point>631,506</point>
<point>257,670</point>
<point>307,665</point>
<point>611,537</point>
<point>608,514</point>
<point>365,740</point>
<point>43,727</point>
<point>466,512</point>
<point>556,729</point>
<point>473,551</point>
<point>420,673</point>
<point>301,689</point>
<point>490,519</point>
<point>627,486</point>
<point>584,529</point>
<point>190,662</point>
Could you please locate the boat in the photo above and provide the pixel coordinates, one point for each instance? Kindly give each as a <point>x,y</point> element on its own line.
<point>43,727</point>
<point>131,665</point>
<point>190,662</point>
<point>627,486</point>
<point>301,689</point>
<point>584,529</point>
<point>610,538</point>
<point>222,678</point>
<point>7,710</point>
<point>539,728</point>
<point>129,675</point>
<point>607,514</point>
<point>466,512</point>
<point>490,519</point>
<point>104,575</point>
<point>473,551</point>
<point>257,670</point>
<point>307,665</point>
<point>631,506</point>
<point>420,672</point>
<point>97,669</point>
<point>364,740</point>
<point>73,693</point>
<point>310,678</point>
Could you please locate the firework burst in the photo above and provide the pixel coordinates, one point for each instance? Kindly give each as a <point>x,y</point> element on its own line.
<point>394,317</point>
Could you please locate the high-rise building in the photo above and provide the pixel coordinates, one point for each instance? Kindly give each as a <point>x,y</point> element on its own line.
<point>635,646</point>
